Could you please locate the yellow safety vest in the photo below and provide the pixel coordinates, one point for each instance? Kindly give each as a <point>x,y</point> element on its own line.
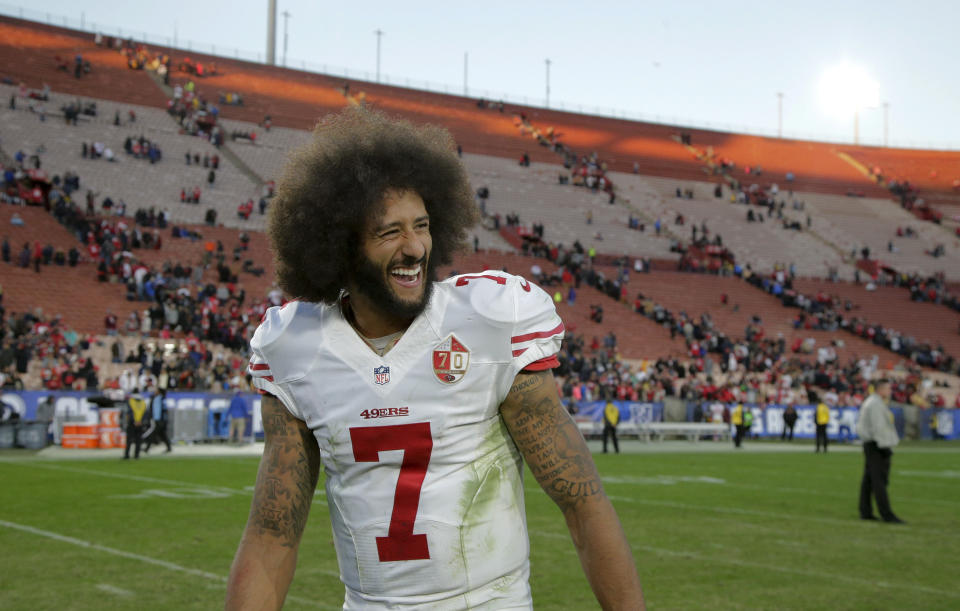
<point>823,413</point>
<point>612,414</point>
<point>737,416</point>
<point>138,407</point>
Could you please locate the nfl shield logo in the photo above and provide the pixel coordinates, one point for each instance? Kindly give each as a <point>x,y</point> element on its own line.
<point>450,360</point>
<point>381,375</point>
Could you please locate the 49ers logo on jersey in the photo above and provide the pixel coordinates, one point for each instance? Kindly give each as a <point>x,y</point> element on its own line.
<point>385,412</point>
<point>450,360</point>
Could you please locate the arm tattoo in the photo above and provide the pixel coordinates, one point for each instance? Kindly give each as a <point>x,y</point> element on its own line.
<point>287,477</point>
<point>550,441</point>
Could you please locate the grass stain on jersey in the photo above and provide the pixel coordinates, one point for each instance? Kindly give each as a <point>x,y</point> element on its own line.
<point>494,493</point>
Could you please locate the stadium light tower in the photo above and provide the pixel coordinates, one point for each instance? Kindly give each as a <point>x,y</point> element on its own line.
<point>379,34</point>
<point>286,18</point>
<point>886,121</point>
<point>779,114</point>
<point>271,32</point>
<point>547,105</point>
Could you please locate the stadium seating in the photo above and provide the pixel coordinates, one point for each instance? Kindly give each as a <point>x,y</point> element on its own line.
<point>136,181</point>
<point>761,244</point>
<point>852,223</point>
<point>492,142</point>
<point>696,294</point>
<point>892,307</point>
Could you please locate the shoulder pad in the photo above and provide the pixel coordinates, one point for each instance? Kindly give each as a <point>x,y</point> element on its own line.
<point>286,341</point>
<point>502,298</point>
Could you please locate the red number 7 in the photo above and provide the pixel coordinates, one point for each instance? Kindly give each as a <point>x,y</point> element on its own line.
<point>417,443</point>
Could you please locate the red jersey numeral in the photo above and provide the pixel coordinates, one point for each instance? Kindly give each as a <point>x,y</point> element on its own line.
<point>416,442</point>
<point>465,280</point>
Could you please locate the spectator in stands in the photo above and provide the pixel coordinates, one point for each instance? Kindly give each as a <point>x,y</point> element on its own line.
<point>24,259</point>
<point>110,323</point>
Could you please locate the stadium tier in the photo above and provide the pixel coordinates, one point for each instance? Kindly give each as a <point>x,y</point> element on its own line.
<point>630,193</point>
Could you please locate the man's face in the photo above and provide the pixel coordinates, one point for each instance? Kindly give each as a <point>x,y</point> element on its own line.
<point>394,270</point>
<point>884,391</point>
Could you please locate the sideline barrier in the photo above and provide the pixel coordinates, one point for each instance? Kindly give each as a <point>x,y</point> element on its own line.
<point>109,431</point>
<point>80,436</point>
<point>589,416</point>
<point>768,420</point>
<point>79,422</point>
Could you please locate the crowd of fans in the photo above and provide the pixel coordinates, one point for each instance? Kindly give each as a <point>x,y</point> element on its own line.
<point>40,351</point>
<point>754,367</point>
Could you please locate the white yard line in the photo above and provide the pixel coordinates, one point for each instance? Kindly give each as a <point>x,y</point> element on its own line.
<point>825,577</point>
<point>139,478</point>
<point>139,557</point>
<point>109,589</point>
<point>838,495</point>
<point>851,522</point>
<point>127,476</point>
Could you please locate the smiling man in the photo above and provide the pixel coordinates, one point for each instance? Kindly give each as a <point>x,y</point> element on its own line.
<point>420,399</point>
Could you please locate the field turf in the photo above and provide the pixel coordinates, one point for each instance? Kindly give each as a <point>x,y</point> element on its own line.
<point>710,529</point>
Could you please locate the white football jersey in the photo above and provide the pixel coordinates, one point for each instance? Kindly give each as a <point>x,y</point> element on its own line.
<point>423,481</point>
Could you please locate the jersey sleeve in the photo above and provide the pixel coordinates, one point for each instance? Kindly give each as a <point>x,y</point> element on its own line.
<point>537,331</point>
<point>270,356</point>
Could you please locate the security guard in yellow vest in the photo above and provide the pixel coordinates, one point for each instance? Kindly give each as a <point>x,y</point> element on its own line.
<point>136,417</point>
<point>823,419</point>
<point>611,418</point>
<point>736,419</point>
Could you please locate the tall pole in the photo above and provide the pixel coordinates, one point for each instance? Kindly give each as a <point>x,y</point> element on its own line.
<point>271,32</point>
<point>886,123</point>
<point>465,74</point>
<point>379,34</point>
<point>779,114</point>
<point>856,125</point>
<point>286,17</point>
<point>547,105</point>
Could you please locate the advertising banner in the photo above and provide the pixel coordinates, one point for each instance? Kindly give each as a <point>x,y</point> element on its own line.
<point>768,420</point>
<point>630,411</point>
<point>75,407</point>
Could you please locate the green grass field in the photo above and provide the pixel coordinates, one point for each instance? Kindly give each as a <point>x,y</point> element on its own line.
<point>710,529</point>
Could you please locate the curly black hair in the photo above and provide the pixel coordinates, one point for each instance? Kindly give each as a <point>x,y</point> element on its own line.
<point>333,185</point>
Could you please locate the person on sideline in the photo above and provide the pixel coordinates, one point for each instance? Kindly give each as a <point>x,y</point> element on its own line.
<point>822,420</point>
<point>157,429</point>
<point>611,418</point>
<point>736,419</point>
<point>136,417</point>
<point>879,436</point>
<point>237,413</point>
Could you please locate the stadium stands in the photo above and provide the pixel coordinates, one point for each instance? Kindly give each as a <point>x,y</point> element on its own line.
<point>892,307</point>
<point>492,140</point>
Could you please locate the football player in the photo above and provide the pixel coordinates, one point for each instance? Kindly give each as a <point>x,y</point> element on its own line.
<point>419,399</point>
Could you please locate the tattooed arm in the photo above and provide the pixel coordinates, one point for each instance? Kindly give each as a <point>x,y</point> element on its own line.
<point>558,457</point>
<point>263,567</point>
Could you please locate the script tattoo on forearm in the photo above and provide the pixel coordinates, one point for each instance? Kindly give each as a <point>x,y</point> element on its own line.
<point>286,479</point>
<point>550,441</point>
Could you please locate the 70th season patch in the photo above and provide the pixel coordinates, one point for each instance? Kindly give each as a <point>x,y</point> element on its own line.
<point>450,360</point>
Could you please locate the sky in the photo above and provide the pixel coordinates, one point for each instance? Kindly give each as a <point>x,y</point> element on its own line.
<point>709,64</point>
